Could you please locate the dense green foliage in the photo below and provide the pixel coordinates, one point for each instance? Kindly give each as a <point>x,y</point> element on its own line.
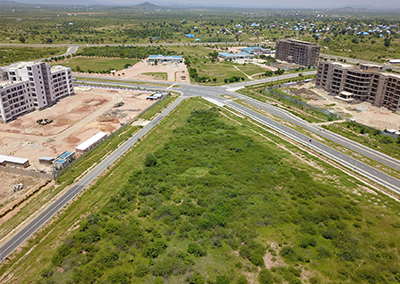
<point>209,190</point>
<point>13,54</point>
<point>124,51</point>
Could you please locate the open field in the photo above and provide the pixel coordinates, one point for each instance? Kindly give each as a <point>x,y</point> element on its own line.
<point>83,116</point>
<point>14,54</point>
<point>96,65</point>
<point>187,209</point>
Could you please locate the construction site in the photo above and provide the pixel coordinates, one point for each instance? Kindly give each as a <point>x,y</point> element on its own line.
<point>42,136</point>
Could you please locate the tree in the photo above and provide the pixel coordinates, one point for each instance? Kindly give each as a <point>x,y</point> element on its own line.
<point>196,249</point>
<point>150,160</point>
<point>387,42</point>
<point>197,278</point>
<point>22,39</point>
<point>77,68</point>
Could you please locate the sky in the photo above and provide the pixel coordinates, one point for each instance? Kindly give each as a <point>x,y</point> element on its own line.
<point>371,4</point>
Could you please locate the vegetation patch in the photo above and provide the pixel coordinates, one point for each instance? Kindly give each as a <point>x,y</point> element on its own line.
<point>206,204</point>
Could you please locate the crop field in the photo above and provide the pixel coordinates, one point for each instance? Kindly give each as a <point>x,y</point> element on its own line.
<point>219,200</point>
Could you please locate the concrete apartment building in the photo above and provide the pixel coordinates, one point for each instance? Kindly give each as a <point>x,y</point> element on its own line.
<point>362,83</point>
<point>29,86</point>
<point>297,51</point>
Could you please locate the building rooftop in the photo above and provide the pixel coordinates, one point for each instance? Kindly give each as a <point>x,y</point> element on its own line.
<point>302,41</point>
<point>58,68</point>
<point>368,68</point>
<point>160,56</point>
<point>10,159</point>
<point>95,138</point>
<point>64,155</point>
<point>45,158</point>
<point>6,83</point>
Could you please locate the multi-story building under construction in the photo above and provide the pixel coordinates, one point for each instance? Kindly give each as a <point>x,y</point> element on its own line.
<point>361,83</point>
<point>297,51</point>
<point>28,86</point>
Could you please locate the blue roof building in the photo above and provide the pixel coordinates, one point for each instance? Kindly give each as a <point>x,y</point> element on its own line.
<point>161,58</point>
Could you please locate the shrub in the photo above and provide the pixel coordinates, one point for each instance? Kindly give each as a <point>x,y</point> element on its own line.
<point>222,280</point>
<point>159,280</point>
<point>196,250</point>
<point>157,248</point>
<point>288,253</point>
<point>150,160</point>
<point>329,233</point>
<point>306,242</point>
<point>265,277</point>
<point>196,278</point>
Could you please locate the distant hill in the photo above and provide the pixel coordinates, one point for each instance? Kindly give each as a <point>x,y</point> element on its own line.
<point>351,9</point>
<point>9,3</point>
<point>147,6</point>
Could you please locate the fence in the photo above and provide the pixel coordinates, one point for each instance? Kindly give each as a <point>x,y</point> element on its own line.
<point>23,172</point>
<point>327,112</point>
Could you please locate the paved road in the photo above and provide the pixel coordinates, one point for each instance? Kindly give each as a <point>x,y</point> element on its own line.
<point>57,205</point>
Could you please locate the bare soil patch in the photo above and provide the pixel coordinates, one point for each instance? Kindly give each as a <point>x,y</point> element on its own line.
<point>364,113</point>
<point>75,119</point>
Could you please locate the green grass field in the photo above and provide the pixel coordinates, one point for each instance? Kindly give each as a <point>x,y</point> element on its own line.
<point>13,54</point>
<point>96,64</point>
<point>217,201</point>
<point>251,69</point>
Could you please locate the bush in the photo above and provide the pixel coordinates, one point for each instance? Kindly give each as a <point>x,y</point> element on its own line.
<point>196,278</point>
<point>222,280</point>
<point>288,253</point>
<point>196,250</point>
<point>265,277</point>
<point>59,257</point>
<point>329,233</point>
<point>159,280</point>
<point>150,160</point>
<point>157,248</point>
<point>306,242</point>
<point>242,280</point>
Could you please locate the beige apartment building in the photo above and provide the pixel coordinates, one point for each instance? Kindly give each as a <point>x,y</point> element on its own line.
<point>361,83</point>
<point>29,86</point>
<point>297,51</point>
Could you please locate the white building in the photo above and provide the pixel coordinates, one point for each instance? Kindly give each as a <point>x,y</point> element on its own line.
<point>29,86</point>
<point>91,143</point>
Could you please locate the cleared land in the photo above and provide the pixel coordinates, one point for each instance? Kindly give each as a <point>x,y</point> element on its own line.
<point>75,119</point>
<point>364,113</point>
